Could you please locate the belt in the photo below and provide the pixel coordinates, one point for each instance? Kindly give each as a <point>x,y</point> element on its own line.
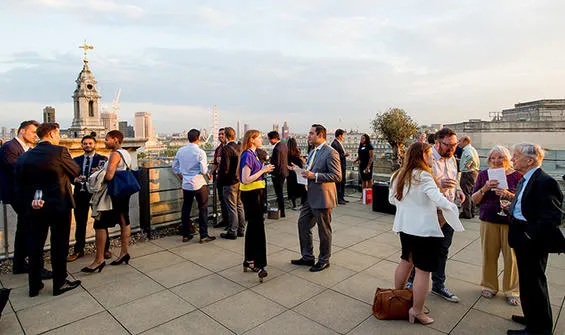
<point>513,220</point>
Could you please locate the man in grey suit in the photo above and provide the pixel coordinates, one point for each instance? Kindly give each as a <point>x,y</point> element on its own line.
<point>323,171</point>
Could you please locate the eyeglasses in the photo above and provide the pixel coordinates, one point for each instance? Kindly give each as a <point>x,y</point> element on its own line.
<point>451,145</point>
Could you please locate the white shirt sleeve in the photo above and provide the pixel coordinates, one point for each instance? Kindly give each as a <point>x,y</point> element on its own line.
<point>203,162</point>
<point>432,191</point>
<point>176,164</point>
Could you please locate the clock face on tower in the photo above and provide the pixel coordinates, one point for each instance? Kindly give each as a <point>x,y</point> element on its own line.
<point>89,86</point>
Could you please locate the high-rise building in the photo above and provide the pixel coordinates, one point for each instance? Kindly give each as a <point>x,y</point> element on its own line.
<point>48,114</point>
<point>4,133</point>
<point>245,128</point>
<point>276,127</point>
<point>110,121</point>
<point>143,125</point>
<point>239,130</point>
<point>285,131</point>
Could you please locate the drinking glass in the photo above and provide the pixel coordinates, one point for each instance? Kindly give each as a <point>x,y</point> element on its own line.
<point>38,195</point>
<point>503,202</point>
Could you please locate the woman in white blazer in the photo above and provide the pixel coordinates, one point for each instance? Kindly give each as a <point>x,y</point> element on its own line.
<point>415,193</point>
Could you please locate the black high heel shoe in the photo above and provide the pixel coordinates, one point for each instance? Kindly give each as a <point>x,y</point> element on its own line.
<point>90,270</point>
<point>248,266</point>
<point>125,258</point>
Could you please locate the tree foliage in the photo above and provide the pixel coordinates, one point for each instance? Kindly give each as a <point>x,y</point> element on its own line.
<point>395,126</point>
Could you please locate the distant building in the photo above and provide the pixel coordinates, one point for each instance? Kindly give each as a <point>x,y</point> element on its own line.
<point>285,131</point>
<point>539,110</point>
<point>4,133</point>
<point>239,130</point>
<point>276,127</point>
<point>49,114</point>
<point>126,129</point>
<point>245,128</point>
<point>110,120</point>
<point>143,125</point>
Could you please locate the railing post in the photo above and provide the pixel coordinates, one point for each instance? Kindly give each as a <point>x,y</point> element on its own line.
<point>144,202</point>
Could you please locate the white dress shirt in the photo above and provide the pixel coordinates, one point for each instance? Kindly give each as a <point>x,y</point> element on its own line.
<point>22,143</point>
<point>445,168</point>
<point>517,212</point>
<point>192,163</point>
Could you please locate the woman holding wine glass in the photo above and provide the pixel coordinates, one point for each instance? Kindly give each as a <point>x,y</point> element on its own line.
<point>495,224</point>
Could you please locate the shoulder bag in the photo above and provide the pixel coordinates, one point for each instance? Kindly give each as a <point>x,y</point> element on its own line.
<point>124,182</point>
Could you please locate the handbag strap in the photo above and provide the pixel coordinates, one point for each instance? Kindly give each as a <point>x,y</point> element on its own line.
<point>126,164</point>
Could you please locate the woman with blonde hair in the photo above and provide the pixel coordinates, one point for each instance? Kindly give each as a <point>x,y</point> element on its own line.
<point>252,187</point>
<point>495,224</point>
<point>416,195</point>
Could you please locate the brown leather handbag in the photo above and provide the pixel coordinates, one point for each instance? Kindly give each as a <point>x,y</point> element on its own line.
<point>391,304</point>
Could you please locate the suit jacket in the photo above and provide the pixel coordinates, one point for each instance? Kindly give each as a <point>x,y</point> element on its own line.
<point>93,164</point>
<point>339,148</point>
<point>9,153</point>
<point>541,206</point>
<point>322,192</point>
<point>228,171</point>
<point>279,159</point>
<point>49,168</point>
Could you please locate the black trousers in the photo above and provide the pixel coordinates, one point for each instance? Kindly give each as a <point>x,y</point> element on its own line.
<point>255,239</point>
<point>278,183</point>
<point>201,196</point>
<point>467,183</point>
<point>60,226</point>
<point>341,186</point>
<point>82,207</point>
<point>21,242</point>
<point>223,208</point>
<point>534,294</point>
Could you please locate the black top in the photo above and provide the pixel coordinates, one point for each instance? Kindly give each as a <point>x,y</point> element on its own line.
<point>279,159</point>
<point>364,156</point>
<point>229,162</point>
<point>9,153</point>
<point>339,148</point>
<point>93,164</point>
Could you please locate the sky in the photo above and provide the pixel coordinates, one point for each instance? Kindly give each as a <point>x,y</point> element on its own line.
<point>338,63</point>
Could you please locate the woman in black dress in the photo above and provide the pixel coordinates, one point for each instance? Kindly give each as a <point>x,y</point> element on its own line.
<point>365,159</point>
<point>294,189</point>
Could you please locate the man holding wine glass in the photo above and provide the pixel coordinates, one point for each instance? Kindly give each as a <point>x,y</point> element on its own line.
<point>89,162</point>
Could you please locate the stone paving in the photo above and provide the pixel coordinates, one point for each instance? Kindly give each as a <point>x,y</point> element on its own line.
<point>171,287</point>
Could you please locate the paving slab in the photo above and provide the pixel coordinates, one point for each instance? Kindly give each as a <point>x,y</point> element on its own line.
<point>101,323</point>
<point>193,323</point>
<point>293,323</point>
<point>288,290</point>
<point>374,326</point>
<point>207,290</point>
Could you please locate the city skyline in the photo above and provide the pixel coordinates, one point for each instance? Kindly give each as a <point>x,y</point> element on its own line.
<point>300,62</point>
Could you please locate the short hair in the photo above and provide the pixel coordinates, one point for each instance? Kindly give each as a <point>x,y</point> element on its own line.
<point>445,132</point>
<point>45,128</point>
<point>87,137</point>
<point>229,132</point>
<point>339,132</point>
<point>219,130</point>
<point>194,135</point>
<point>116,134</point>
<point>531,150</point>
<point>466,139</point>
<point>28,123</point>
<point>432,138</point>
<point>320,130</point>
<point>274,135</point>
<point>500,150</point>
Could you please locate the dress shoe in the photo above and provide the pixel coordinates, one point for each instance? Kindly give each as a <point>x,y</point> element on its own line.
<point>283,215</point>
<point>67,286</point>
<point>107,254</point>
<point>342,202</point>
<point>91,270</point>
<point>346,201</point>
<point>187,238</point>
<point>207,239</point>
<point>74,256</point>
<point>125,259</point>
<point>302,261</point>
<point>240,234</point>
<point>35,292</point>
<point>319,267</point>
<point>519,319</point>
<point>228,236</point>
<point>46,274</point>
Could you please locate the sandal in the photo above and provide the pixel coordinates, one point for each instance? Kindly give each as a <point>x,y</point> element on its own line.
<point>421,318</point>
<point>512,301</point>
<point>487,294</point>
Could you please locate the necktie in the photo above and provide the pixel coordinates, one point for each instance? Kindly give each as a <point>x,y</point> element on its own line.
<point>87,167</point>
<point>311,159</point>
<point>518,190</point>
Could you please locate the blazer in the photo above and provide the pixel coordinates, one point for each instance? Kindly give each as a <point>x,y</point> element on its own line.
<point>416,213</point>
<point>339,148</point>
<point>49,168</point>
<point>93,164</point>
<point>279,159</point>
<point>322,193</point>
<point>9,153</point>
<point>541,206</point>
<point>228,171</point>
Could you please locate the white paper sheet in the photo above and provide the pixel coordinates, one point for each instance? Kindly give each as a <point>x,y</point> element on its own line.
<point>299,179</point>
<point>500,176</point>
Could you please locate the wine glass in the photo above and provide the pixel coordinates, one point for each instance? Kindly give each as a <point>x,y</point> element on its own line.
<point>82,183</point>
<point>503,203</point>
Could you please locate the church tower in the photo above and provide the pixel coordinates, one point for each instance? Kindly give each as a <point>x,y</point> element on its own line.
<point>86,100</point>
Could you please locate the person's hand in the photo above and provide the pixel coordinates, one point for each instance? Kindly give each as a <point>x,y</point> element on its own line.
<point>505,205</point>
<point>347,154</point>
<point>292,167</point>
<point>37,204</point>
<point>504,194</point>
<point>94,170</point>
<point>80,179</point>
<point>448,183</point>
<point>308,174</point>
<point>267,168</point>
<point>489,185</point>
<point>459,195</point>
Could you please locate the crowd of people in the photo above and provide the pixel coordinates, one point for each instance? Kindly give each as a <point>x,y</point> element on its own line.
<point>438,184</point>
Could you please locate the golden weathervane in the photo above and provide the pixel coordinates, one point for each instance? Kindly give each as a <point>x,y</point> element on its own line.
<point>86,47</point>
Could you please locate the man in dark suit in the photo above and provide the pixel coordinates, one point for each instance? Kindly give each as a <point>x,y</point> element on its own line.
<point>88,162</point>
<point>9,153</point>
<point>214,176</point>
<point>337,144</point>
<point>533,234</point>
<point>228,175</point>
<point>43,178</point>
<point>279,159</point>
<point>323,171</point>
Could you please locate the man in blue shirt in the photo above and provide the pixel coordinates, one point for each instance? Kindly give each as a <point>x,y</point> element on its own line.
<point>191,165</point>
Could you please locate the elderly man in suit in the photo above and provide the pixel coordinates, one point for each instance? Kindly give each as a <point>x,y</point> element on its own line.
<point>534,233</point>
<point>279,159</point>
<point>338,146</point>
<point>43,176</point>
<point>89,162</point>
<point>9,153</point>
<point>322,171</point>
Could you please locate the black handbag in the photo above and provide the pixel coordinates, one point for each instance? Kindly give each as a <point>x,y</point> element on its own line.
<point>124,182</point>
